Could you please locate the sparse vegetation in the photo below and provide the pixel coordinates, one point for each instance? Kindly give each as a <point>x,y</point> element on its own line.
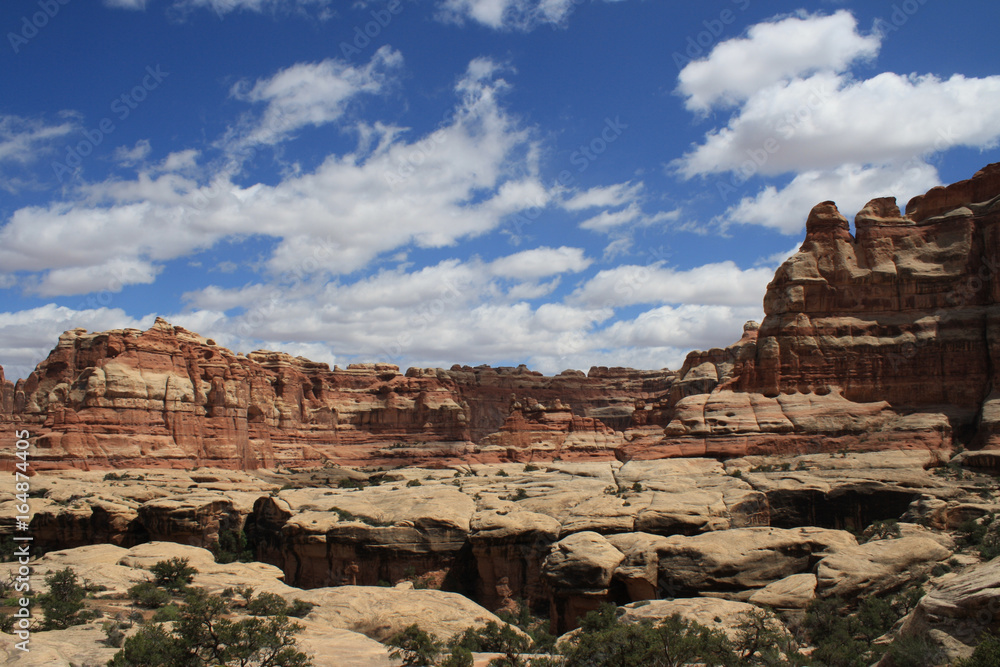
<point>63,603</point>
<point>202,635</point>
<point>148,595</point>
<point>232,547</point>
<point>174,574</point>
<point>887,529</point>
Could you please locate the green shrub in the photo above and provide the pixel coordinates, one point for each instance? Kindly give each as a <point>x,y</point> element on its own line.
<point>114,633</point>
<point>63,604</point>
<point>414,646</point>
<point>232,547</point>
<point>201,635</point>
<point>173,574</point>
<point>672,642</point>
<point>148,595</point>
<point>458,657</point>
<point>271,604</point>
<point>170,612</point>
<point>987,654</point>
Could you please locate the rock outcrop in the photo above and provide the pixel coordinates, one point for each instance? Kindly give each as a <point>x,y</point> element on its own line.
<point>167,397</point>
<point>884,339</point>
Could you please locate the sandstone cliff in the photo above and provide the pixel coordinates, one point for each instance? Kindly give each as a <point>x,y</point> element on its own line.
<point>169,397</point>
<point>887,338</point>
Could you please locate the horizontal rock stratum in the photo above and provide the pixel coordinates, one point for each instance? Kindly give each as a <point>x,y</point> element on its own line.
<point>887,338</point>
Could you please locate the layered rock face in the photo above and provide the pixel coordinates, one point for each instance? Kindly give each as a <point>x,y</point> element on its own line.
<point>169,397</point>
<point>888,338</point>
<point>885,339</point>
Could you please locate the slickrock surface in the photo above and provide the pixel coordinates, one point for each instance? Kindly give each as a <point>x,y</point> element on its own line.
<point>561,536</point>
<point>342,628</point>
<point>958,611</point>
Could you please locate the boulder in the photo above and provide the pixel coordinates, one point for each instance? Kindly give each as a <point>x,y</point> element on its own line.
<point>877,567</point>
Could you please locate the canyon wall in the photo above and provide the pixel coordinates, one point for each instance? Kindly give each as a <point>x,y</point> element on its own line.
<point>167,397</point>
<point>887,338</point>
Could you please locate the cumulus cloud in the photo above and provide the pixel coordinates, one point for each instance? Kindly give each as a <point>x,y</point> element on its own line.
<point>110,276</point>
<point>827,120</point>
<point>308,94</point>
<point>850,186</point>
<point>540,263</point>
<point>431,191</point>
<point>722,283</point>
<point>773,52</point>
<point>797,108</point>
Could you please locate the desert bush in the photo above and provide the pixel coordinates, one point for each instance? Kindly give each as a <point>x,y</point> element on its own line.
<point>148,595</point>
<point>63,604</point>
<point>174,574</point>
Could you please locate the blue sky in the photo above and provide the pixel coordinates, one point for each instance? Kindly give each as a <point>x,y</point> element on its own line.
<point>560,183</point>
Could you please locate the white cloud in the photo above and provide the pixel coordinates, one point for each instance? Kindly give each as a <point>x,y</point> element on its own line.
<point>499,14</point>
<point>721,283</point>
<point>607,220</point>
<point>125,4</point>
<point>507,14</point>
<point>772,52</point>
<point>683,327</point>
<point>540,263</point>
<point>223,7</point>
<point>431,191</point>
<point>850,186</point>
<point>798,109</point>
<point>631,215</point>
<point>828,120</point>
<point>130,157</point>
<point>181,161</point>
<point>309,94</point>
<point>608,196</point>
<point>23,140</point>
<point>110,276</point>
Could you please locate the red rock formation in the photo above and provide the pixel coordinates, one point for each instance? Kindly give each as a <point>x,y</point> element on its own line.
<point>6,397</point>
<point>169,397</point>
<point>888,338</point>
